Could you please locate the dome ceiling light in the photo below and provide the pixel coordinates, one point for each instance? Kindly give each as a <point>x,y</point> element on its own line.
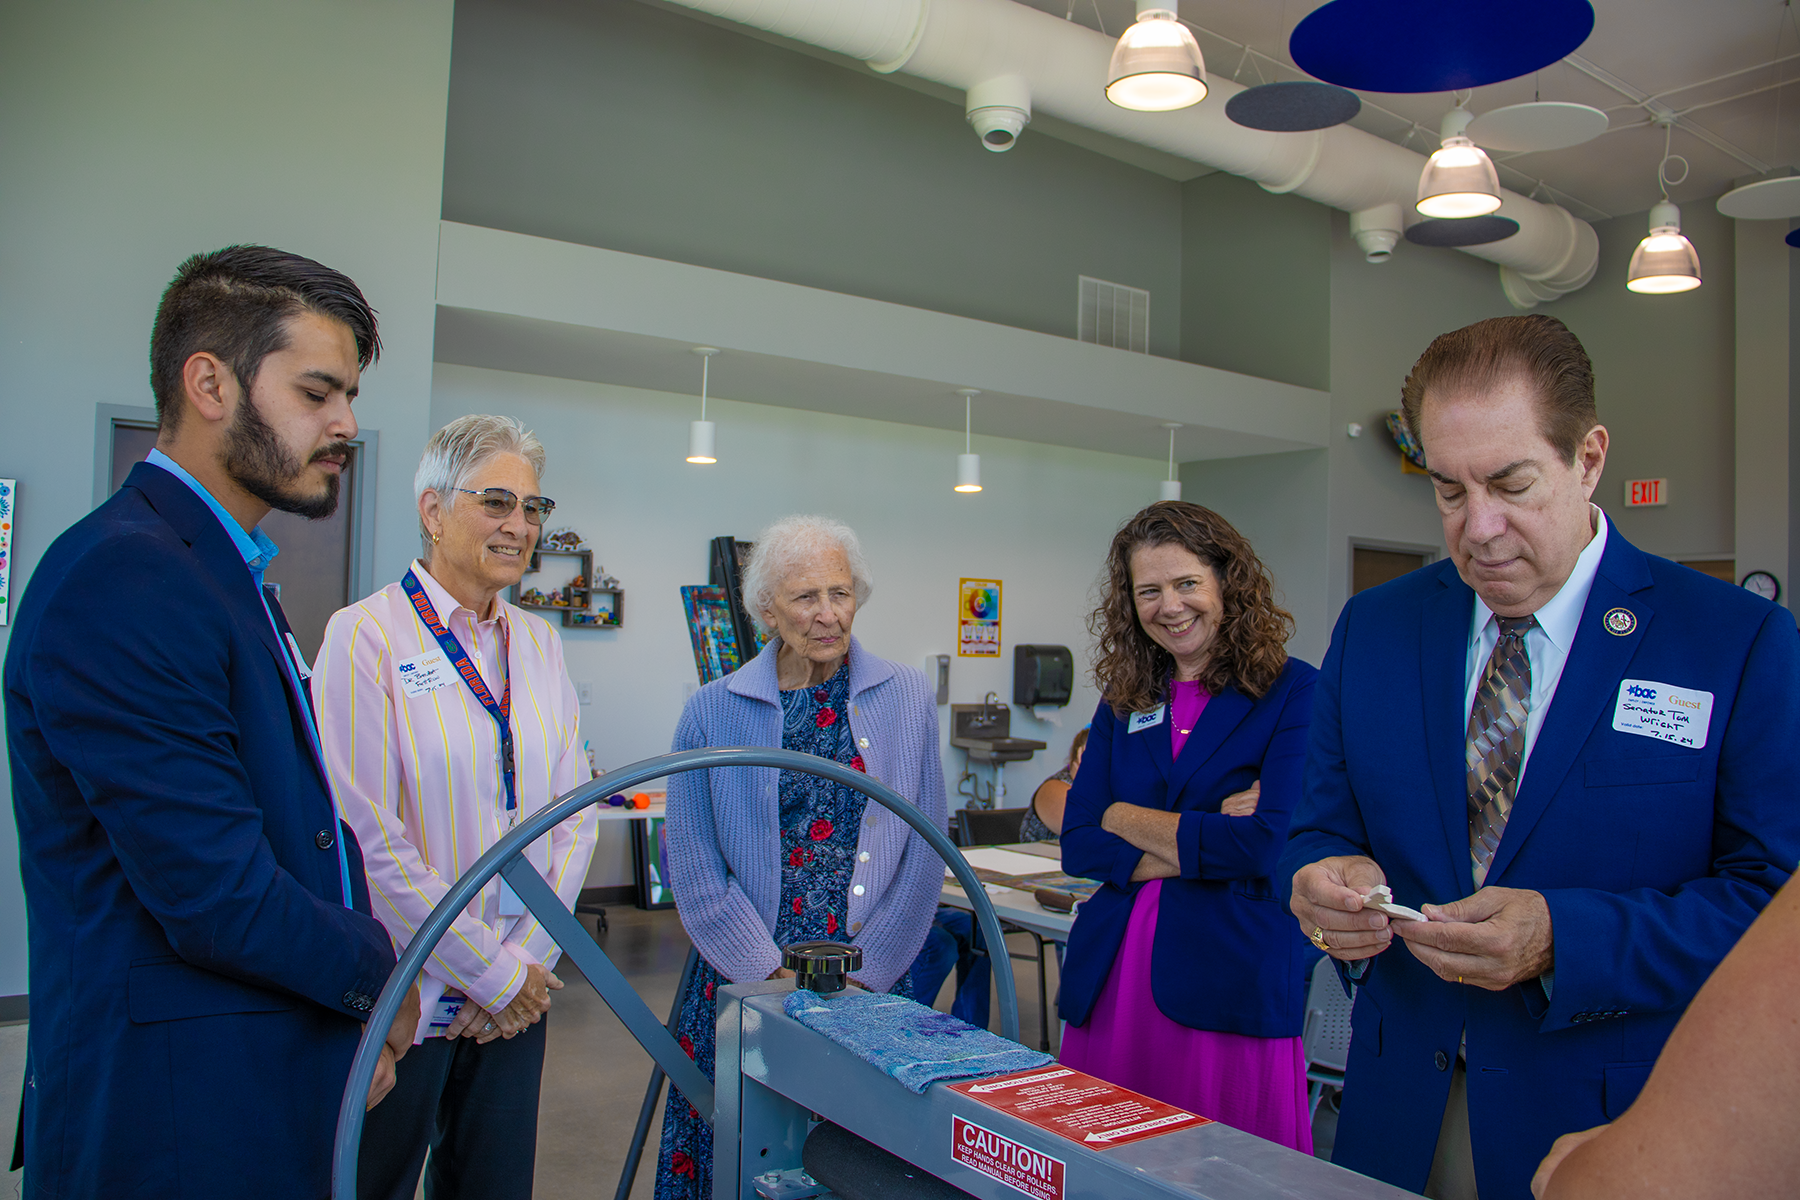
<point>1458,179</point>
<point>1429,46</point>
<point>1156,67</point>
<point>1665,262</point>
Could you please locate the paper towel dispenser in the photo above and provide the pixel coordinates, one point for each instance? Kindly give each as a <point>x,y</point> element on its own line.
<point>1043,675</point>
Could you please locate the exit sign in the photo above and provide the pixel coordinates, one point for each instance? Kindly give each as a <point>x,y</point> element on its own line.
<point>1646,493</point>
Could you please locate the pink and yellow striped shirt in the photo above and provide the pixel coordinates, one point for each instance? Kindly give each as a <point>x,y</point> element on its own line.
<point>418,776</point>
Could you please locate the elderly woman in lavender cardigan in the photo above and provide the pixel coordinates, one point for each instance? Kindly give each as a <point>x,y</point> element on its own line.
<point>760,858</point>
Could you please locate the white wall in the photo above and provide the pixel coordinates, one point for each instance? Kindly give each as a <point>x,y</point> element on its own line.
<point>616,472</point>
<point>139,132</point>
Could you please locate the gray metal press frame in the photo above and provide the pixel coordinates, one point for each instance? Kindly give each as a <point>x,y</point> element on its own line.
<point>506,858</point>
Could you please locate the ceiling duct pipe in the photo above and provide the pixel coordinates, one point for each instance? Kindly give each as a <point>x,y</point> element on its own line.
<point>1060,68</point>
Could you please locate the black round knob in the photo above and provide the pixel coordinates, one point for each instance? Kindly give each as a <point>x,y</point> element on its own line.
<point>323,839</point>
<point>822,967</point>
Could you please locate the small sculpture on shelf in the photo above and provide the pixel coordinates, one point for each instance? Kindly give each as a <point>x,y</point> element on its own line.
<point>560,539</point>
<point>609,583</point>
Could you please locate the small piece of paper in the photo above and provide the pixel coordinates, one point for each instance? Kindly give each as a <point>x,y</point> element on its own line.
<point>1381,899</point>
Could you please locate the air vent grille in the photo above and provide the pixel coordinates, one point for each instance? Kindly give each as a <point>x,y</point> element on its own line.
<point>1111,314</point>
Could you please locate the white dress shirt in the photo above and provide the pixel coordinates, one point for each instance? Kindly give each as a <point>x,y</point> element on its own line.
<point>1547,643</point>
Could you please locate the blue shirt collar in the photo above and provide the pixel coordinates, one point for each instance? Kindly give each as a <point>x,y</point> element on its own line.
<point>258,549</point>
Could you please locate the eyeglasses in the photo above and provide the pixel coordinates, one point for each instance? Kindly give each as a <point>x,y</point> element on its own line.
<point>499,504</point>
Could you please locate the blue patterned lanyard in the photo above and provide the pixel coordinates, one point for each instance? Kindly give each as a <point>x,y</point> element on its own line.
<point>459,658</point>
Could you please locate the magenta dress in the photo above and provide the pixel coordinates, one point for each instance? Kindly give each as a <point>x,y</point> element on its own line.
<point>1251,1083</point>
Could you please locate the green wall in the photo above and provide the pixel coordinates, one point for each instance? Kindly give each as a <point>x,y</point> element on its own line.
<point>612,123</point>
<point>1255,281</point>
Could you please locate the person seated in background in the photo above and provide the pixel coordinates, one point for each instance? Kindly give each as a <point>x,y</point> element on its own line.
<point>1718,1117</point>
<point>955,943</point>
<point>761,858</point>
<point>1183,980</point>
<point>1044,815</point>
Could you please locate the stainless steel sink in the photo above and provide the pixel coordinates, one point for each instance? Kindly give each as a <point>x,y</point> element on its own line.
<point>985,732</point>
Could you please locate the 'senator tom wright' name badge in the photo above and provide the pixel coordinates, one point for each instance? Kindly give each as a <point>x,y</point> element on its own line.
<point>1679,716</point>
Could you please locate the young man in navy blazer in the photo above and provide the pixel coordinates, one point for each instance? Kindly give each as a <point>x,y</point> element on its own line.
<point>1590,806</point>
<point>201,950</point>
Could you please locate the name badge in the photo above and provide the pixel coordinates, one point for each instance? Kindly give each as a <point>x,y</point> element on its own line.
<point>445,1010</point>
<point>425,672</point>
<point>1679,716</point>
<point>299,658</point>
<point>1146,720</point>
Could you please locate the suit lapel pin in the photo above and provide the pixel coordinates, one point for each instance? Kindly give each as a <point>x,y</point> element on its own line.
<point>1620,621</point>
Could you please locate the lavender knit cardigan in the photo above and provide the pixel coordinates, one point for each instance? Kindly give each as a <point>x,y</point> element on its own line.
<point>724,829</point>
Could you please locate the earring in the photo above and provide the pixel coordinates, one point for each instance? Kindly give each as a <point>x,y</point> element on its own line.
<point>434,539</point>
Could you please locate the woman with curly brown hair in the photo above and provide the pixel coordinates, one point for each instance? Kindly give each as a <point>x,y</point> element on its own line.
<point>1183,980</point>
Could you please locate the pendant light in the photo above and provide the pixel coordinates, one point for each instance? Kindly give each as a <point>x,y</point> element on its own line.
<point>968,465</point>
<point>1459,179</point>
<point>1171,487</point>
<point>1665,261</point>
<point>1156,67</point>
<point>700,433</point>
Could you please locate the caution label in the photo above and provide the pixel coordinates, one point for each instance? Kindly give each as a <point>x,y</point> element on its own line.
<point>1021,1168</point>
<point>1079,1107</point>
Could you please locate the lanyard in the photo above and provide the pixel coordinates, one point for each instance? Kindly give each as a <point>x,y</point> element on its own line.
<point>459,658</point>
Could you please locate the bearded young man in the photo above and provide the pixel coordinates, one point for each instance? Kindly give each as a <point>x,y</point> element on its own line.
<point>201,951</point>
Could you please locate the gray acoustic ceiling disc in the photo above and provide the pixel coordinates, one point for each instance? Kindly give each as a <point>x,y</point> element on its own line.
<point>1465,231</point>
<point>1293,106</point>
<point>1540,125</point>
<point>1764,200</point>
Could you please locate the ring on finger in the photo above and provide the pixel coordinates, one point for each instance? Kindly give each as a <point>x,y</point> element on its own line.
<point>1317,937</point>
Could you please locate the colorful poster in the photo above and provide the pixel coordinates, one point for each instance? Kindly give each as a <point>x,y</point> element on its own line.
<point>9,490</point>
<point>978,619</point>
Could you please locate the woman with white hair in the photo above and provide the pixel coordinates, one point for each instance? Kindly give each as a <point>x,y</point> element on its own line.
<point>446,715</point>
<point>760,858</point>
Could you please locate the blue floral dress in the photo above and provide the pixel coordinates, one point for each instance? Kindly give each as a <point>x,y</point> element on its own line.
<point>820,821</point>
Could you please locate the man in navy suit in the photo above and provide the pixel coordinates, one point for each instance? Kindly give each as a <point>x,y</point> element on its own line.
<point>1577,758</point>
<point>202,954</point>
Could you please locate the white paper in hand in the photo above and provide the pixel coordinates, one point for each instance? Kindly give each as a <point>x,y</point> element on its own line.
<point>1381,899</point>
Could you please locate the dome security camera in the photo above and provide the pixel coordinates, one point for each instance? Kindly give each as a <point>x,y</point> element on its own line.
<point>999,109</point>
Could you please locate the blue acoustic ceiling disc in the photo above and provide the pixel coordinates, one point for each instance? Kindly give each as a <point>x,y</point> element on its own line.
<point>1431,46</point>
<point>1793,239</point>
<point>1293,107</point>
<point>1464,231</point>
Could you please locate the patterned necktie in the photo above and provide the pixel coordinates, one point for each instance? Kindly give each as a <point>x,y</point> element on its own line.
<point>1496,746</point>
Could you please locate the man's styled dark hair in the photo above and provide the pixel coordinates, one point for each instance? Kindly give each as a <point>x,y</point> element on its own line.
<point>235,303</point>
<point>1533,347</point>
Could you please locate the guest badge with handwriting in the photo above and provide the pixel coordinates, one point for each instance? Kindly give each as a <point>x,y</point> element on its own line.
<point>425,672</point>
<point>1676,715</point>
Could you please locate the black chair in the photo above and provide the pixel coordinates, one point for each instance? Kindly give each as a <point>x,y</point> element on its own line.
<point>1000,827</point>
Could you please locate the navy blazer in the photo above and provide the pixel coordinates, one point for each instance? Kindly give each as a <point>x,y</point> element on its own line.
<point>1653,857</point>
<point>1228,956</point>
<point>197,983</point>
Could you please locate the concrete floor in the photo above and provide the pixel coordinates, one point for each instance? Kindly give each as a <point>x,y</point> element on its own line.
<point>594,1072</point>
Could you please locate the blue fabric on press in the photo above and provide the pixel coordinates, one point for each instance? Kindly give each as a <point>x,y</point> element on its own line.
<point>915,1045</point>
